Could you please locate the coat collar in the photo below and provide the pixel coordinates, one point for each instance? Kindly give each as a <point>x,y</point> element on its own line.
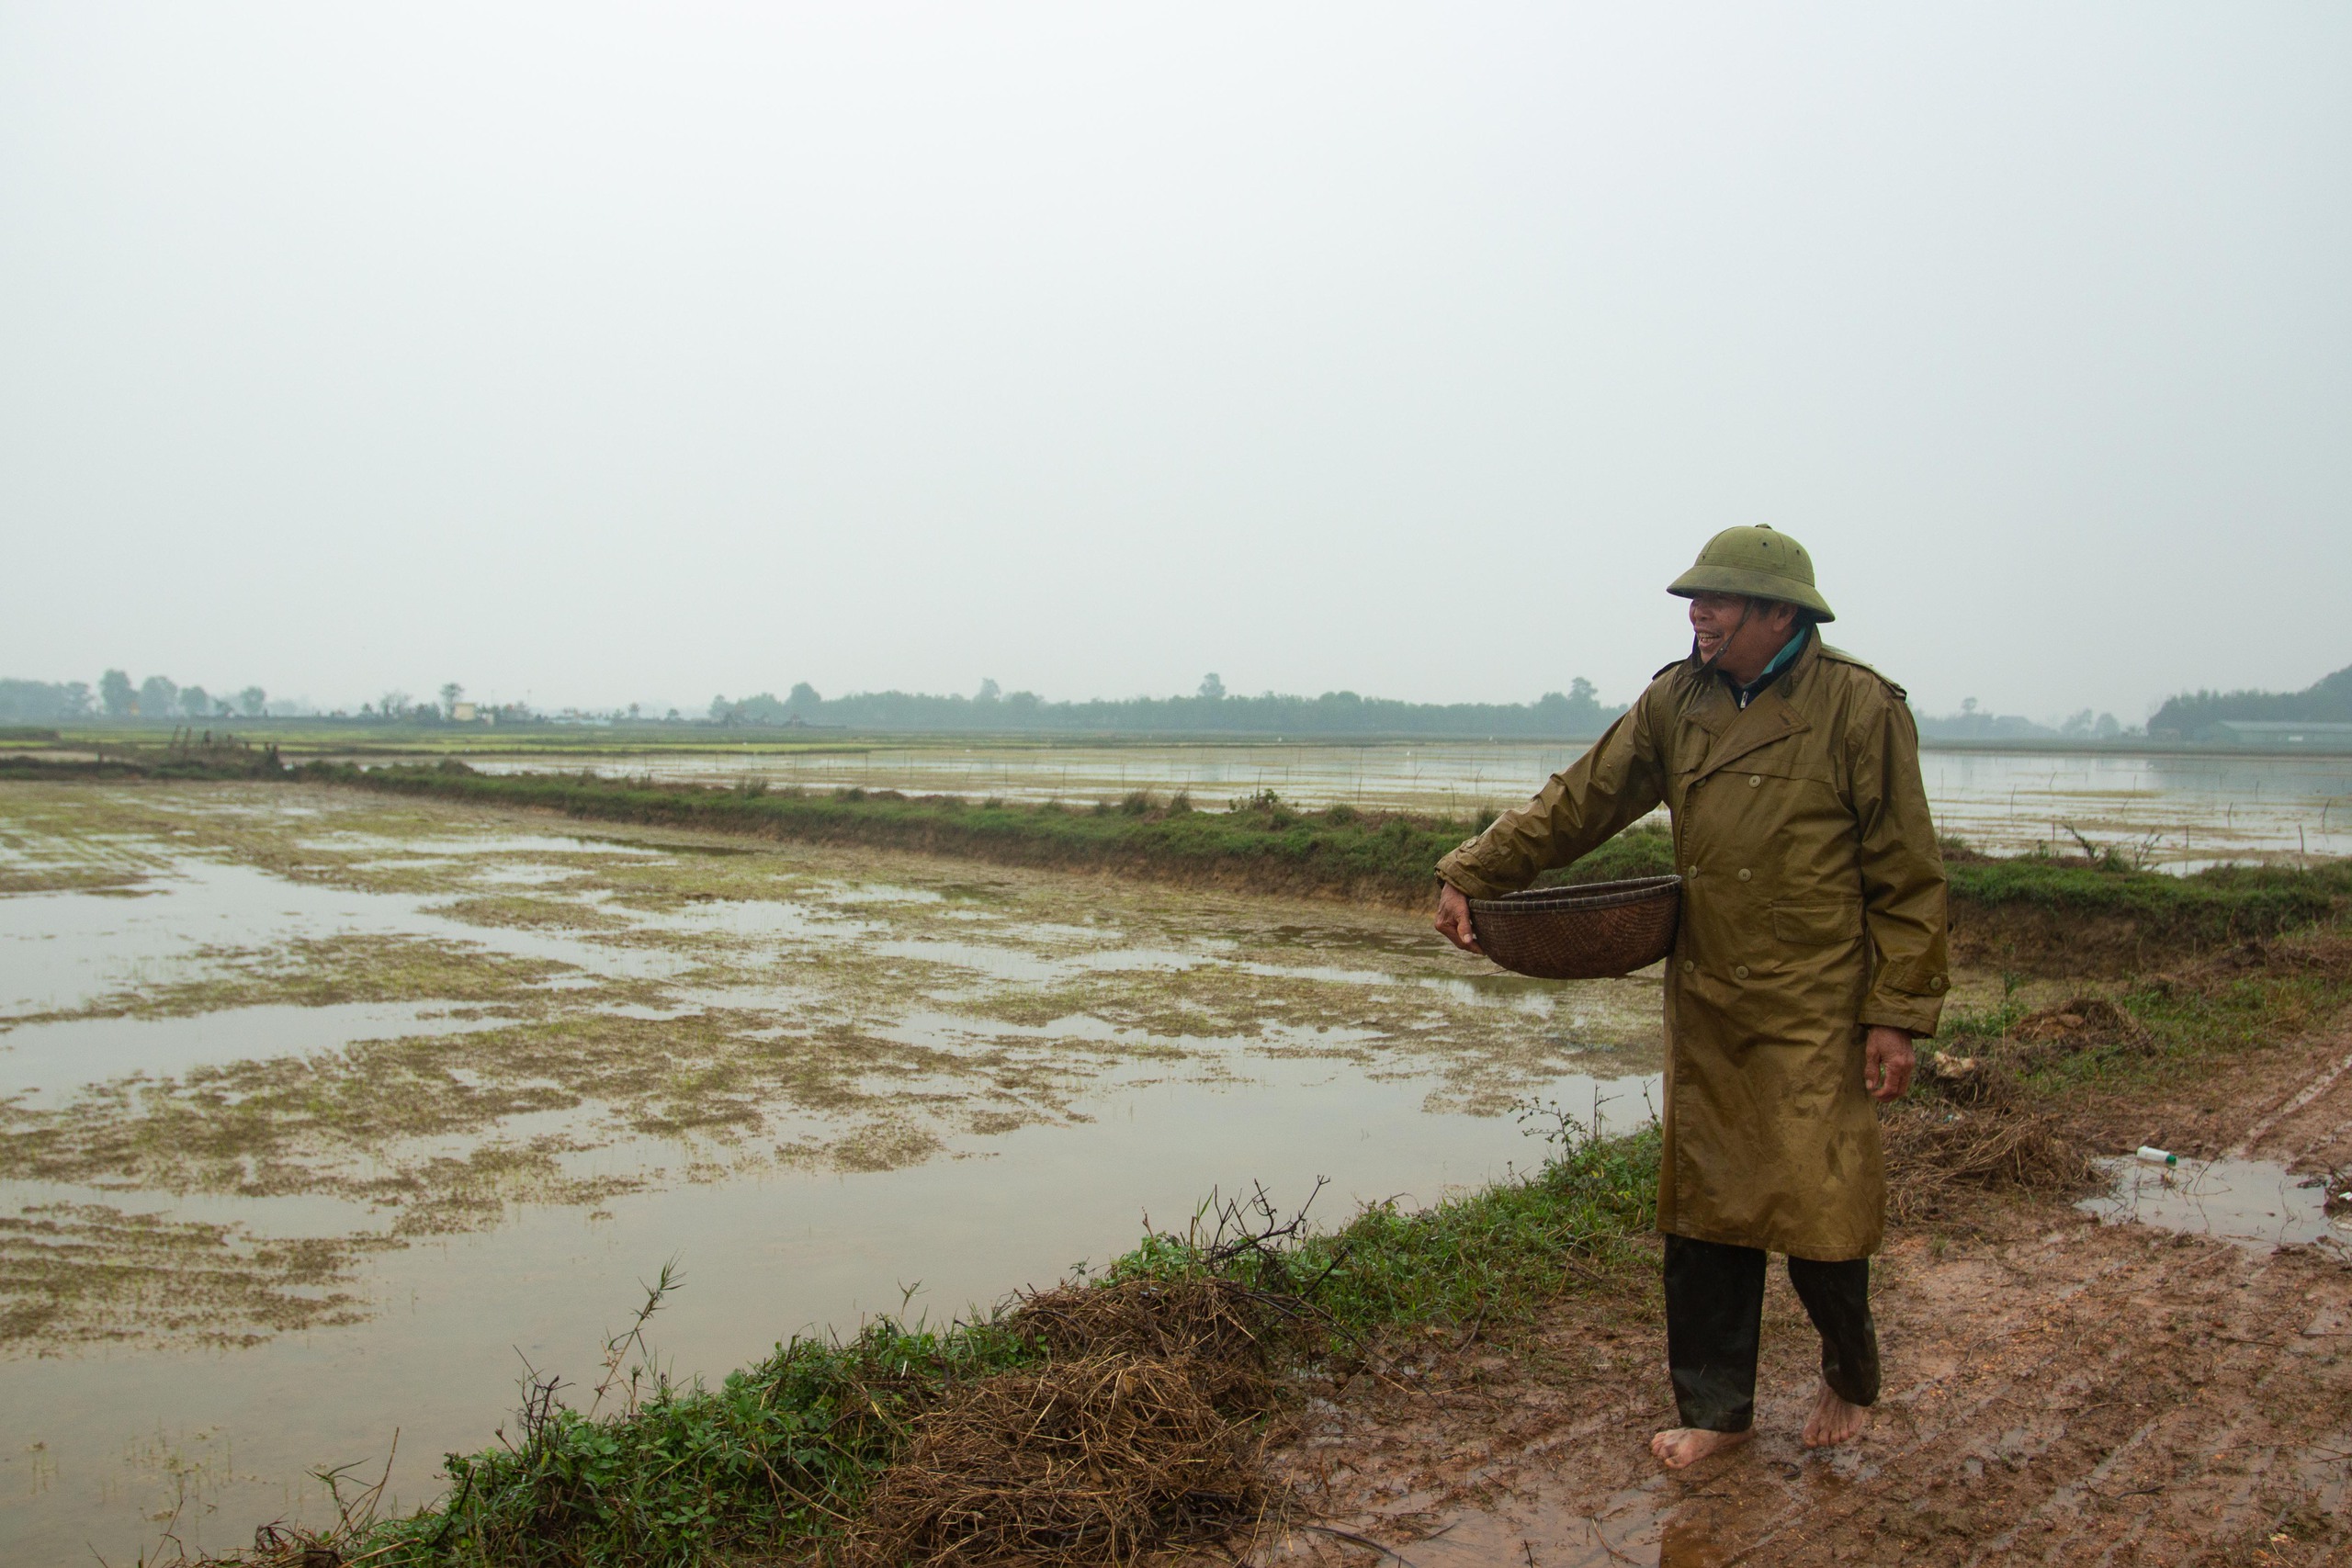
<point>1735,731</point>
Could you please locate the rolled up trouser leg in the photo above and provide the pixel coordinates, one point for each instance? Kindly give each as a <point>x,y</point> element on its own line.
<point>1714,1312</point>
<point>1837,1296</point>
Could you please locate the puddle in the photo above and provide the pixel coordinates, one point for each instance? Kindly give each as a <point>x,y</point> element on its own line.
<point>61,951</point>
<point>42,1064</point>
<point>2258,1204</point>
<point>1641,1525</point>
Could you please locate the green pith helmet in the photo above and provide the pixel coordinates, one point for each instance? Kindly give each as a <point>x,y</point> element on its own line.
<point>1756,561</point>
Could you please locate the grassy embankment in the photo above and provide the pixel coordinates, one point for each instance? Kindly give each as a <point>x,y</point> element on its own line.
<point>2029,916</point>
<point>1262,845</point>
<point>183,755</point>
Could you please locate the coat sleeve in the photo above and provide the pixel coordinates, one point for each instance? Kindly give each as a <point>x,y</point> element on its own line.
<point>1903,873</point>
<point>1608,789</point>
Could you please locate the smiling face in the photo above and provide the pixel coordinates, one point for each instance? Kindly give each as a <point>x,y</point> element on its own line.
<point>1738,634</point>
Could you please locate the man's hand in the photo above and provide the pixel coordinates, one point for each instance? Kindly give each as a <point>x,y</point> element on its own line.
<point>1887,1061</point>
<point>1454,919</point>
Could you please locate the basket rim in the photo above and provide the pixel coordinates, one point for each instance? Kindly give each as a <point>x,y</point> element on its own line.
<point>1591,895</point>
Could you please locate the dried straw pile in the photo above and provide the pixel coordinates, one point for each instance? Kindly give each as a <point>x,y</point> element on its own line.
<point>1940,1157</point>
<point>1096,1461</point>
<point>1136,1436</point>
<point>1217,1328</point>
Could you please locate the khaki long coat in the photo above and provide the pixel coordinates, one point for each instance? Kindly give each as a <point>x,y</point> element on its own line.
<point>1813,906</point>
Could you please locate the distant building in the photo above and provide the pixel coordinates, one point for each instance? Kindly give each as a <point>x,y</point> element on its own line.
<point>2279,734</point>
<point>461,713</point>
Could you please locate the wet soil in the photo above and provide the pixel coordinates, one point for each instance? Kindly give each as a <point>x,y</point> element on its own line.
<point>2057,1390</point>
<point>2292,1103</point>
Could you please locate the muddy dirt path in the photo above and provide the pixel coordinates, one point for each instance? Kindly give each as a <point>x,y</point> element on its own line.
<point>2058,1391</point>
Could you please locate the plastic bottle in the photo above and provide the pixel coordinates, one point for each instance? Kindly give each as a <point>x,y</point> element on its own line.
<point>2155,1156</point>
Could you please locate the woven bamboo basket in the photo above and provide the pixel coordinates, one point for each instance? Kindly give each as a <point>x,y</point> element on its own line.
<point>1591,932</point>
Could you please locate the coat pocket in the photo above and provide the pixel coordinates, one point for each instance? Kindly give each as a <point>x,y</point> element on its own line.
<point>1817,925</point>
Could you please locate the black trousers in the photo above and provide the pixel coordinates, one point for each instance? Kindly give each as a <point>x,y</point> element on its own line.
<point>1714,1315</point>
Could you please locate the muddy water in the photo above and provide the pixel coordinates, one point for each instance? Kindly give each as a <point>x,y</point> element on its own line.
<point>320,1116</point>
<point>2175,812</point>
<point>2258,1204</point>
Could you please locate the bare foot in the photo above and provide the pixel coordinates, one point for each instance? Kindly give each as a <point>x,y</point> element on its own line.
<point>1834,1421</point>
<point>1679,1446</point>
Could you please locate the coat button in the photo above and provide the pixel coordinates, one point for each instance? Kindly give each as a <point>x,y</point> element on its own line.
<point>1692,870</point>
<point>1744,873</point>
<point>1756,781</point>
<point>1935,983</point>
<point>1739,971</point>
<point>1689,966</point>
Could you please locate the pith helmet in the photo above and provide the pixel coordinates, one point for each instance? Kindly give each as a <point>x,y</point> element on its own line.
<point>1756,561</point>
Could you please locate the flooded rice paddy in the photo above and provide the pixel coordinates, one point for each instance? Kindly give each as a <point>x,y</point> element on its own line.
<point>2177,812</point>
<point>322,1114</point>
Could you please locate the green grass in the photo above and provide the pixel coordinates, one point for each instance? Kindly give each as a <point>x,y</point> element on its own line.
<point>781,1454</point>
<point>779,1451</point>
<point>2194,1025</point>
<point>1498,1254</point>
<point>2220,905</point>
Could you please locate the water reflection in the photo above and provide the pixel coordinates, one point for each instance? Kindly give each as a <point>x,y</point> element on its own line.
<point>2258,1204</point>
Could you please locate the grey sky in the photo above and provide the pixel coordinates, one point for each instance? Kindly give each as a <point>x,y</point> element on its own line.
<point>639,353</point>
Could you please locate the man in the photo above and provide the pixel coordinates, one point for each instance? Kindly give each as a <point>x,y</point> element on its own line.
<point>1812,950</point>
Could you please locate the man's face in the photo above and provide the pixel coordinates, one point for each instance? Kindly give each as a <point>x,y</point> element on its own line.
<point>1740,651</point>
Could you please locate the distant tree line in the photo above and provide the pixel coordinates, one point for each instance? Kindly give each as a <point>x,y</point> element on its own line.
<point>1971,723</point>
<point>24,702</point>
<point>2327,700</point>
<point>1575,713</point>
<point>157,697</point>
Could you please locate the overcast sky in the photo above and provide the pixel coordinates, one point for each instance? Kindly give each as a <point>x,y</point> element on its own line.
<point>603,354</point>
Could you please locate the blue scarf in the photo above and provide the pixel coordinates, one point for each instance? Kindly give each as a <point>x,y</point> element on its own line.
<point>1746,694</point>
